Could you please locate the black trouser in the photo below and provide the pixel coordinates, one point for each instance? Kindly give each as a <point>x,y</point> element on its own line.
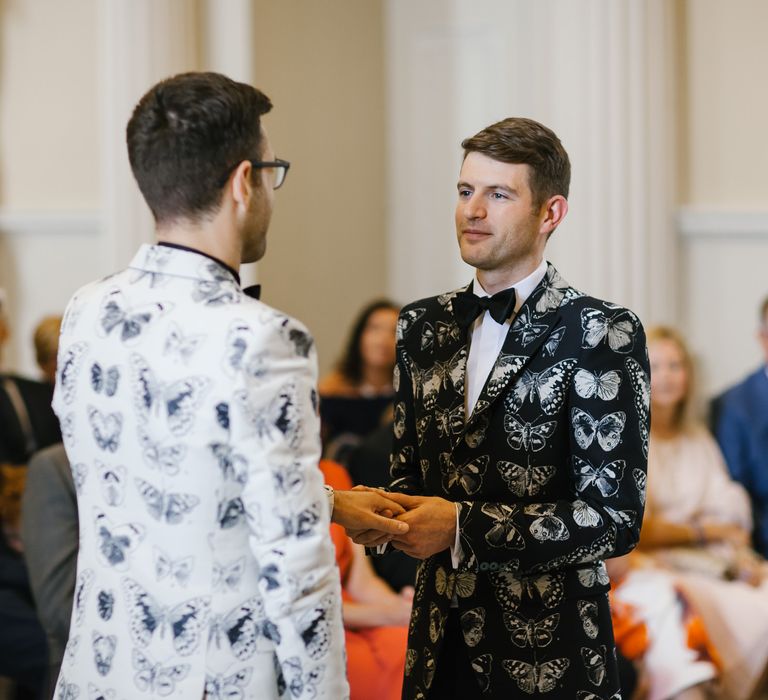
<point>454,677</point>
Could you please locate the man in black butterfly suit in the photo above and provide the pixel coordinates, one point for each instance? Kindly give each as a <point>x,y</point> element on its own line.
<point>520,445</point>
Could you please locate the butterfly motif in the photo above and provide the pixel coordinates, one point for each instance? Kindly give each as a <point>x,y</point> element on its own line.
<point>222,414</point>
<point>105,380</point>
<point>68,430</point>
<point>154,677</point>
<point>112,480</point>
<point>228,576</point>
<point>525,481</point>
<point>549,386</point>
<point>506,366</point>
<point>607,430</point>
<point>69,370</point>
<point>536,677</point>
<point>167,459</point>
<point>411,656</point>
<point>641,385</point>
<point>164,505</point>
<point>641,480</point>
<point>396,378</point>
<point>618,329</point>
<point>503,531</point>
<point>469,476</point>
<point>603,385</point>
<point>604,478</point>
<point>95,693</point>
<point>447,332</point>
<point>314,628</point>
<point>594,576</point>
<point>585,515</point>
<point>229,687</point>
<point>288,479</point>
<point>406,320</point>
<point>436,623</point>
<point>245,629</point>
<point>427,336</point>
<point>594,662</point>
<point>547,526</point>
<point>588,614</point>
<point>586,695</point>
<point>130,322</point>
<point>553,288</point>
<point>103,652</point>
<point>553,342</point>
<point>441,375</point>
<point>531,633</point>
<point>429,668</point>
<point>230,513</point>
<point>300,339</point>
<point>510,588</point>
<point>461,583</point>
<point>303,523</point>
<point>219,289</point>
<point>71,648</point>
<point>105,604</point>
<point>445,299</point>
<point>528,436</point>
<point>277,419</point>
<point>292,677</point>
<point>240,339</point>
<point>106,428</point>
<point>421,428</point>
<point>481,665</point>
<point>478,425</point>
<point>67,691</point>
<point>82,589</point>
<point>184,621</point>
<point>623,518</point>
<point>399,420</point>
<point>233,465</point>
<point>597,549</point>
<point>175,403</point>
<point>116,543</point>
<point>472,624</point>
<point>400,462</point>
<point>449,421</point>
<point>181,347</point>
<point>525,329</point>
<point>79,474</point>
<point>179,570</point>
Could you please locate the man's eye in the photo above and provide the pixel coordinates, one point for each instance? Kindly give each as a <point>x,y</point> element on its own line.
<point>498,195</point>
<point>465,193</point>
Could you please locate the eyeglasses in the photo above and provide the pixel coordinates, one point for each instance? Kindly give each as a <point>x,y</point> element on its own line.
<point>279,170</point>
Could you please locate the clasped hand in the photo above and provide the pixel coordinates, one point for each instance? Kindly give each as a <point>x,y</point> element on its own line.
<point>431,525</point>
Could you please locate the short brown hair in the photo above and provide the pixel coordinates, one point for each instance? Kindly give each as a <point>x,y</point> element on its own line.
<point>47,339</point>
<point>519,140</point>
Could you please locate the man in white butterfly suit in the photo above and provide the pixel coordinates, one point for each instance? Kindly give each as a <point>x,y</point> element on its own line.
<point>520,445</point>
<point>189,416</point>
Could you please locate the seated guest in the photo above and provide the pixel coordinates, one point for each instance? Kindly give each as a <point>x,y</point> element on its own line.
<point>46,339</point>
<point>741,427</point>
<point>375,617</point>
<point>356,395</point>
<point>696,525</point>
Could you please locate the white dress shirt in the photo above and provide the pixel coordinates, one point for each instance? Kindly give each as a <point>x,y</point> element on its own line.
<point>486,338</point>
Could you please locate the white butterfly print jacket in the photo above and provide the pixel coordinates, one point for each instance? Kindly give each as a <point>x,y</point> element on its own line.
<point>190,421</point>
<point>549,474</point>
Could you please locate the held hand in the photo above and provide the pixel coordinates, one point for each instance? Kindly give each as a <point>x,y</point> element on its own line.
<point>725,532</point>
<point>432,522</point>
<point>364,511</point>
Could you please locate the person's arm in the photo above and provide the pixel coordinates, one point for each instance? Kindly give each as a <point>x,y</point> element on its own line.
<point>601,520</point>
<point>373,603</point>
<point>274,420</point>
<point>732,438</point>
<point>49,531</point>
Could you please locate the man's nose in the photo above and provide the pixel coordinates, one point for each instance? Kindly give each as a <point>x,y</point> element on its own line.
<point>474,208</point>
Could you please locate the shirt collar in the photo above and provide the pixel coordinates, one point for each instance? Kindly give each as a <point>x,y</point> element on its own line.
<point>178,246</point>
<point>523,288</point>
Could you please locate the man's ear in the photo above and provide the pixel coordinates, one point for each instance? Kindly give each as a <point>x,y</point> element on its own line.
<point>554,209</point>
<point>240,183</point>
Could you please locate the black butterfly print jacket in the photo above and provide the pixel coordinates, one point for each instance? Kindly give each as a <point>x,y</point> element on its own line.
<point>549,476</point>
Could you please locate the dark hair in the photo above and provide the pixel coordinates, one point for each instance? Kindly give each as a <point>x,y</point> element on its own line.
<point>351,363</point>
<point>185,136</point>
<point>519,140</point>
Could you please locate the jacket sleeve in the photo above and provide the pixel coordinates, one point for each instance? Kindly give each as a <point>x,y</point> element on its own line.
<point>606,466</point>
<point>276,422</point>
<point>731,435</point>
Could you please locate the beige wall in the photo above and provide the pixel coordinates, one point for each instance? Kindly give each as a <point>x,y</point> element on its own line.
<point>322,64</point>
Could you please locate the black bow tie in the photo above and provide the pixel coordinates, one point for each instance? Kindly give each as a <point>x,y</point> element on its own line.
<point>254,291</point>
<point>467,306</point>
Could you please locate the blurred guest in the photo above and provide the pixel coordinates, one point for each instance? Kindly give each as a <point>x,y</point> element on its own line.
<point>46,340</point>
<point>375,617</point>
<point>356,395</point>
<point>50,536</point>
<point>741,426</point>
<point>697,522</point>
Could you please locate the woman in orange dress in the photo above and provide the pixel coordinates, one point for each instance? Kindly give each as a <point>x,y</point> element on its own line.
<point>375,617</point>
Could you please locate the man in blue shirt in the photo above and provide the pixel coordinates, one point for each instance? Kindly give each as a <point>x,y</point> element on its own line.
<point>742,430</point>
